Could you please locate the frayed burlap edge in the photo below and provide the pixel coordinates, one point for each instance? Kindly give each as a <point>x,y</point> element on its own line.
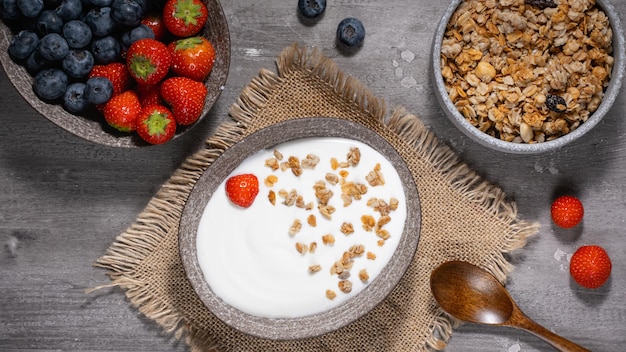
<point>151,226</point>
<point>472,186</point>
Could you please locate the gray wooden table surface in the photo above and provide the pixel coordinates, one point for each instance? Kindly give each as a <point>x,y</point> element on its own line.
<point>64,200</point>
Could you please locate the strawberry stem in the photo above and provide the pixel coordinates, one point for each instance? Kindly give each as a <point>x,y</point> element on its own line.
<point>157,123</point>
<point>188,43</point>
<point>187,11</point>
<point>142,66</point>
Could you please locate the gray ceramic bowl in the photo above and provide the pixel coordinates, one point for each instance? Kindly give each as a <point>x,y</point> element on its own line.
<point>91,125</point>
<point>332,319</point>
<point>475,134</point>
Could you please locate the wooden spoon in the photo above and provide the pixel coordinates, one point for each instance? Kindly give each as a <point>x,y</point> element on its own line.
<point>472,294</point>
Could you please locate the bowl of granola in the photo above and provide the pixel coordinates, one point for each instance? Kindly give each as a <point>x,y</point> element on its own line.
<point>527,76</point>
<point>300,228</point>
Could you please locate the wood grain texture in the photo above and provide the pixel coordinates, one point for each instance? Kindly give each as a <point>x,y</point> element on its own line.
<point>472,294</point>
<point>64,200</point>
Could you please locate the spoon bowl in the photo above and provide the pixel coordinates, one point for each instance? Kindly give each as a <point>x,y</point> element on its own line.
<point>471,294</point>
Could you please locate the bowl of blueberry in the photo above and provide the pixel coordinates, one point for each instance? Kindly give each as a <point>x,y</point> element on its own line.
<point>120,73</point>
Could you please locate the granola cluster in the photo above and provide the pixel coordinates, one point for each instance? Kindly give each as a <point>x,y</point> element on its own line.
<point>324,191</point>
<point>527,71</point>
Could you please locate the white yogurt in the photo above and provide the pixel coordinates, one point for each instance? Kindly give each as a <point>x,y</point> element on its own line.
<point>248,256</point>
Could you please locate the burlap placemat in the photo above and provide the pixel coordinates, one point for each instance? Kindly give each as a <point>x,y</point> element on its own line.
<point>463,217</point>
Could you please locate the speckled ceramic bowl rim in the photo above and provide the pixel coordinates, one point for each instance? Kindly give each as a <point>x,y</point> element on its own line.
<point>91,125</point>
<point>327,321</point>
<point>474,133</point>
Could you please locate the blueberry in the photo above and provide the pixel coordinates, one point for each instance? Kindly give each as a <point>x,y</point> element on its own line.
<point>311,8</point>
<point>556,103</point>
<point>77,33</point>
<point>35,63</point>
<point>140,32</point>
<point>128,12</point>
<point>351,32</point>
<point>23,44</point>
<point>30,8</point>
<point>78,63</point>
<point>100,21</point>
<point>10,11</point>
<point>106,50</point>
<point>50,83</point>
<point>74,99</point>
<point>541,4</point>
<point>146,5</point>
<point>49,22</point>
<point>53,47</point>
<point>98,3</point>
<point>98,90</point>
<point>70,9</point>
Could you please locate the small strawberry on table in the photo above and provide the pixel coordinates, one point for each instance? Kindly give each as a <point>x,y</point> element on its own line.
<point>590,266</point>
<point>567,211</point>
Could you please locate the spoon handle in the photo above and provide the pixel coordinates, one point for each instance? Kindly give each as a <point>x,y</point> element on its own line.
<point>560,343</point>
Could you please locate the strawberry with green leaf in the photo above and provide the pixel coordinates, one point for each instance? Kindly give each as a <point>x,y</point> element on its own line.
<point>156,124</point>
<point>192,57</point>
<point>148,61</point>
<point>185,98</point>
<point>185,18</point>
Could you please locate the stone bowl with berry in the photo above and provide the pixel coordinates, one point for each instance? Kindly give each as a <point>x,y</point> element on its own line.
<point>527,76</point>
<point>121,73</point>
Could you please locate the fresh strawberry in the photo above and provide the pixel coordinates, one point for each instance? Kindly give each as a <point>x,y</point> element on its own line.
<point>149,94</point>
<point>116,72</point>
<point>590,266</point>
<point>185,18</point>
<point>192,57</point>
<point>156,124</point>
<point>242,189</point>
<point>155,23</point>
<point>185,97</point>
<point>122,111</point>
<point>567,211</point>
<point>148,61</point>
